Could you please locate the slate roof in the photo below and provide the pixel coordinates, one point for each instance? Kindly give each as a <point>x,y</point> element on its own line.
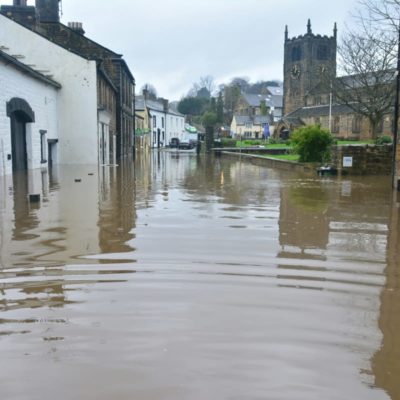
<point>256,120</point>
<point>319,111</point>
<point>275,90</point>
<point>254,100</point>
<point>28,70</point>
<point>153,105</point>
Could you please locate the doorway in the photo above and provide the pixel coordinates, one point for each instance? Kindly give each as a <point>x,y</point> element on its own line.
<point>20,113</point>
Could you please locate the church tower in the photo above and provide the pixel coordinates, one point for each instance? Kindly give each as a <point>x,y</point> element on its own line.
<point>306,59</point>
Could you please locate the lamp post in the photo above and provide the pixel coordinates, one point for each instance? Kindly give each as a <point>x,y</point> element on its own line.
<point>396,118</point>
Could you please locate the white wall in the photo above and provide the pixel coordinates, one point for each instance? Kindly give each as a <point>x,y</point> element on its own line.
<point>77,102</point>
<point>159,115</point>
<point>174,127</point>
<point>42,98</point>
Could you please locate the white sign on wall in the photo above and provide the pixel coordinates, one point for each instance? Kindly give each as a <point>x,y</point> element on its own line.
<point>347,162</point>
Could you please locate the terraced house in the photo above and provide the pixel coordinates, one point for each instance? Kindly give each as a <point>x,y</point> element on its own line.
<point>115,82</point>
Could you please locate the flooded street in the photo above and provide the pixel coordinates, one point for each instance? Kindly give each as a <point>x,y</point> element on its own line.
<point>191,279</point>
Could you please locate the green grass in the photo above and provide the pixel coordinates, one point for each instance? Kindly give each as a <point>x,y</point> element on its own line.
<point>348,142</point>
<point>287,157</point>
<point>266,145</point>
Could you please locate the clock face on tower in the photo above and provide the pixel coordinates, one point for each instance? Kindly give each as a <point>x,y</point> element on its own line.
<point>295,71</point>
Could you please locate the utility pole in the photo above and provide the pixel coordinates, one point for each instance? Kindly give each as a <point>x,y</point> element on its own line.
<point>396,118</point>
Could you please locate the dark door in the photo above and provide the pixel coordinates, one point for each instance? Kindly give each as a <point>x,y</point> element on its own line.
<point>18,143</point>
<point>51,151</point>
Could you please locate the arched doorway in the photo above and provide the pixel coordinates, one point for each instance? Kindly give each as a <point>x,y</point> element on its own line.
<point>20,114</point>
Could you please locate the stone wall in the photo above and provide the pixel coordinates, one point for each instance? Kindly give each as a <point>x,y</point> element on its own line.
<point>366,160</point>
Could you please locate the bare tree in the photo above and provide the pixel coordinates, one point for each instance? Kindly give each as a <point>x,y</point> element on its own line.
<point>367,81</point>
<point>383,14</point>
<point>367,61</point>
<point>204,88</point>
<point>208,83</point>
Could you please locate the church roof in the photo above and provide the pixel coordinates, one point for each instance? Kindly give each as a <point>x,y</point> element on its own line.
<point>319,111</point>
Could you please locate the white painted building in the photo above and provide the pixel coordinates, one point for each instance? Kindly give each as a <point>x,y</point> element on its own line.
<point>77,99</point>
<point>28,117</point>
<point>163,122</point>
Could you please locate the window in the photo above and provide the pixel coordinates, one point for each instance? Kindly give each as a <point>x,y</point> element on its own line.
<point>154,121</point>
<point>335,124</point>
<point>43,146</point>
<point>379,126</point>
<point>296,53</point>
<point>356,124</point>
<point>162,122</point>
<point>322,52</point>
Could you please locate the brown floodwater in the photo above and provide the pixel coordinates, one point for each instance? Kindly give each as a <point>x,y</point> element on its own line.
<point>180,278</point>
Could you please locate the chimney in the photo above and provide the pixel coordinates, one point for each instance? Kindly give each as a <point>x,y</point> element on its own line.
<point>165,103</point>
<point>77,27</point>
<point>145,94</point>
<point>48,10</point>
<point>20,12</point>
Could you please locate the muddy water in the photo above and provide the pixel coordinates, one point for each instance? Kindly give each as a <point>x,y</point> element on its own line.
<point>183,278</point>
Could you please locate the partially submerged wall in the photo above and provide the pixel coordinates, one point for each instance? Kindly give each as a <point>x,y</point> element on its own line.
<point>363,159</point>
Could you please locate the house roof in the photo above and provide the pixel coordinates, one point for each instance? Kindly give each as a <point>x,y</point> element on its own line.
<point>275,90</point>
<point>9,60</point>
<point>271,100</point>
<point>256,120</point>
<point>153,105</point>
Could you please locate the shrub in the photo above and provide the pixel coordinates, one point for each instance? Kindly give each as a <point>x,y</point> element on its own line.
<point>227,142</point>
<point>312,143</point>
<point>209,119</point>
<point>385,139</point>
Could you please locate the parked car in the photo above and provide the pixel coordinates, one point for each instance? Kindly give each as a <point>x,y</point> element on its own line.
<point>186,146</point>
<point>174,143</point>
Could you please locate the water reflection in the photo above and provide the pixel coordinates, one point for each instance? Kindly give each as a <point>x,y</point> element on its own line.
<point>83,211</point>
<point>386,361</point>
<point>184,277</point>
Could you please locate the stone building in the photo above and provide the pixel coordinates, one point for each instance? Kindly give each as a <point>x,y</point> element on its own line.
<point>252,104</point>
<point>116,86</point>
<point>307,59</point>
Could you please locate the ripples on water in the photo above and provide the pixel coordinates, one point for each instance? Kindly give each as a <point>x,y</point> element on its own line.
<point>186,278</point>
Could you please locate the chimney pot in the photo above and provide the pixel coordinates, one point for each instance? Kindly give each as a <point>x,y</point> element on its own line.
<point>77,27</point>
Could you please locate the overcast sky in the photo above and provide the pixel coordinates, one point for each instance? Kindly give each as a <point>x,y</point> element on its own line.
<point>172,43</point>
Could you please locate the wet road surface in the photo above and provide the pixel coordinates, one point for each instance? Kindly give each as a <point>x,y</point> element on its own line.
<point>186,278</point>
